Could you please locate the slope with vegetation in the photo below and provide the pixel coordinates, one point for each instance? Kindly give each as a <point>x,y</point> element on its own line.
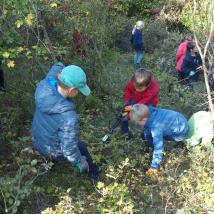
<point>33,35</point>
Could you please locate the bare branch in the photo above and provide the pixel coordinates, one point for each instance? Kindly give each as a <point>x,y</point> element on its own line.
<point>203,53</point>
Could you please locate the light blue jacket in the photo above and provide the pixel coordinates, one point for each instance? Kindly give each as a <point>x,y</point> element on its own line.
<point>164,124</point>
<point>55,126</point>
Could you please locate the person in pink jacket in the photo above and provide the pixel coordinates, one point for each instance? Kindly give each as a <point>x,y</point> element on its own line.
<point>181,52</point>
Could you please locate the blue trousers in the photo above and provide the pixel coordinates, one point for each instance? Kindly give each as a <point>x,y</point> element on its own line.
<point>138,56</point>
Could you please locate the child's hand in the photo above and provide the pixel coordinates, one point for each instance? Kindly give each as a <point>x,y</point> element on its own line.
<point>152,172</point>
<point>127,108</point>
<point>199,68</point>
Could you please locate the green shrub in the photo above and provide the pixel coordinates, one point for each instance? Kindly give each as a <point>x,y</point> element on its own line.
<point>154,36</point>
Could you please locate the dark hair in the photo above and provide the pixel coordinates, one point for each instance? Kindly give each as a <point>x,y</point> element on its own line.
<point>190,45</point>
<point>188,36</point>
<point>142,78</point>
<point>61,84</point>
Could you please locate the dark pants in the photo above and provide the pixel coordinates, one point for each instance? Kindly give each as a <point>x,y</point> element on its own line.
<point>125,124</point>
<point>124,127</point>
<point>1,79</point>
<point>84,151</point>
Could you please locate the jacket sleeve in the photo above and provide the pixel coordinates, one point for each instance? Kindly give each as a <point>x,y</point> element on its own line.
<point>148,137</point>
<point>178,55</point>
<point>150,93</point>
<point>55,69</point>
<point>69,136</point>
<point>127,92</point>
<point>180,52</point>
<point>157,136</point>
<point>185,65</point>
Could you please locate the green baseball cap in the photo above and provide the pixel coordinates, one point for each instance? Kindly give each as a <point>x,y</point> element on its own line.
<point>74,76</point>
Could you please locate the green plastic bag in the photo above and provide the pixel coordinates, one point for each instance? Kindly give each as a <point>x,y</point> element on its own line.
<point>200,129</point>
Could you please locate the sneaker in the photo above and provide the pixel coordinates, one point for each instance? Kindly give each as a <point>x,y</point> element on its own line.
<point>94,174</point>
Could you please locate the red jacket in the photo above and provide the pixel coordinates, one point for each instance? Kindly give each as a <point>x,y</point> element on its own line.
<point>180,54</point>
<point>149,96</point>
<point>79,43</point>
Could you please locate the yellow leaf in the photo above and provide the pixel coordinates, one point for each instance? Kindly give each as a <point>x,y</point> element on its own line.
<point>29,19</point>
<point>119,203</point>
<point>20,49</point>
<point>6,55</point>
<point>53,5</point>
<point>5,12</point>
<point>19,23</point>
<point>100,185</point>
<point>11,64</point>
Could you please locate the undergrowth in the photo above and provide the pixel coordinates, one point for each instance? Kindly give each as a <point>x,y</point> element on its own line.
<point>30,185</point>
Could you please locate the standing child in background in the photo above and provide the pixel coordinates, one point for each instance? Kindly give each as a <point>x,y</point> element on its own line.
<point>1,78</point>
<point>192,63</point>
<point>181,53</point>
<point>159,124</point>
<point>137,43</point>
<point>142,88</point>
<point>80,40</point>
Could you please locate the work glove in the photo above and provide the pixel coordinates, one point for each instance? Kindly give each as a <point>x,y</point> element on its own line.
<point>152,171</point>
<point>82,166</point>
<point>126,110</point>
<point>192,73</point>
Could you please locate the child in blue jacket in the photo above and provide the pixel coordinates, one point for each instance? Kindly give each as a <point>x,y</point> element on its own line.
<point>159,124</point>
<point>55,128</point>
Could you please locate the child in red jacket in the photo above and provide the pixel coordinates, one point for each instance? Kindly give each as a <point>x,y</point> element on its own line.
<point>143,89</point>
<point>181,53</point>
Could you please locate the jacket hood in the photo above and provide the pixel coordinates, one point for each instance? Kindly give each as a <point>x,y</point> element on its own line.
<point>48,100</point>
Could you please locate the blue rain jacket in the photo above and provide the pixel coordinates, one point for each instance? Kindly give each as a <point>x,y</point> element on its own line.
<point>55,126</point>
<point>164,124</point>
<point>137,39</point>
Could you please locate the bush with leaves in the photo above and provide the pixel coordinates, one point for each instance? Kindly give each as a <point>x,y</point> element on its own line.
<point>153,36</point>
<point>17,187</point>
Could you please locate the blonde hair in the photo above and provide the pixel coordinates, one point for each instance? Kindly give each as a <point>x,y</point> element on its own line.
<point>139,24</point>
<point>142,78</point>
<point>139,112</point>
